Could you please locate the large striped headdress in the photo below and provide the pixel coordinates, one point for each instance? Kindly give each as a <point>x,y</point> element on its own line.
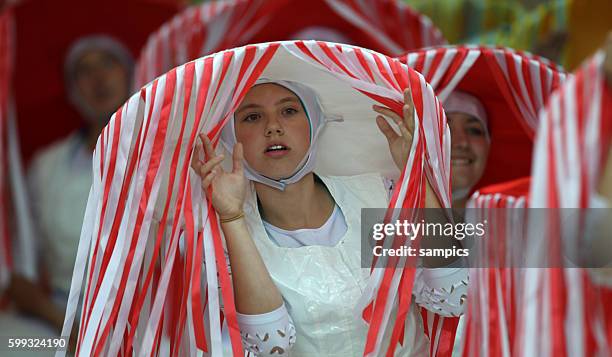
<point>386,26</point>
<point>512,86</point>
<point>565,312</point>
<point>141,292</point>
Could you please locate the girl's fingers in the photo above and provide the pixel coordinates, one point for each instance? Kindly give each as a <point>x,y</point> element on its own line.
<point>408,118</point>
<point>211,165</point>
<point>406,134</point>
<point>387,112</point>
<point>218,169</point>
<point>408,109</point>
<point>196,164</point>
<point>385,128</point>
<point>208,180</point>
<point>208,148</point>
<point>237,157</point>
<point>408,97</point>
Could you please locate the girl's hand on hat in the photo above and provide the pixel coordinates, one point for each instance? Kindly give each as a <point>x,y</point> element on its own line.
<point>399,145</point>
<point>226,190</point>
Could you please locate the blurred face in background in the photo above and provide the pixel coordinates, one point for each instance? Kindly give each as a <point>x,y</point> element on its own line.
<point>101,83</point>
<point>469,149</point>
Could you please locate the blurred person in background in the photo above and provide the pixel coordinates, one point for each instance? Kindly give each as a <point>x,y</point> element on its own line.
<point>97,73</point>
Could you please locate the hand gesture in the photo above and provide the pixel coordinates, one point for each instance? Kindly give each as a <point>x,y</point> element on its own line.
<point>226,190</point>
<point>399,145</point>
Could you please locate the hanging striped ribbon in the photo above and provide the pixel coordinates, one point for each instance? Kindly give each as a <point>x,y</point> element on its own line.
<point>525,82</point>
<point>148,226</point>
<point>387,26</point>
<point>564,310</point>
<point>494,280</point>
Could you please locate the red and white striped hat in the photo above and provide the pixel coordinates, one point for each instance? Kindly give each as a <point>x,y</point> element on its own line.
<point>565,312</point>
<point>386,26</point>
<point>144,197</point>
<point>512,86</point>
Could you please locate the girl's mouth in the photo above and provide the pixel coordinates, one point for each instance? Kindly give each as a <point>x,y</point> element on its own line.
<point>276,150</point>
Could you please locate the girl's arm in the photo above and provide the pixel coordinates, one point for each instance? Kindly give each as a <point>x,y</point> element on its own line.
<point>254,290</point>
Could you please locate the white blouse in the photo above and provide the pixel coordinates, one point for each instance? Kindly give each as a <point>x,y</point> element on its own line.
<point>442,291</point>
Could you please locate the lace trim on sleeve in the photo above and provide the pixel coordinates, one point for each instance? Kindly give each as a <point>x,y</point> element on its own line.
<point>442,290</point>
<point>268,334</point>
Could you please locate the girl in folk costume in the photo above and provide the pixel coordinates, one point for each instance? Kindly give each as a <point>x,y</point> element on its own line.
<point>491,97</point>
<point>299,239</point>
<point>566,311</point>
<point>290,222</point>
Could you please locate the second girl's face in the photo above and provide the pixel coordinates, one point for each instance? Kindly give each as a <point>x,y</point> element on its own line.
<point>469,150</point>
<point>272,126</point>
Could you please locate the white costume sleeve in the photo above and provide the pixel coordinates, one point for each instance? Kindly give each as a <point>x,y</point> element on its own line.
<point>268,334</point>
<point>440,290</point>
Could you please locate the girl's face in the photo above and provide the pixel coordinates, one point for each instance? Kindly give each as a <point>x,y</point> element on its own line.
<point>272,126</point>
<point>469,149</point>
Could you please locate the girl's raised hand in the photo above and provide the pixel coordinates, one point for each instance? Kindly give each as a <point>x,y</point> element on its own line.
<point>399,145</point>
<point>226,190</point>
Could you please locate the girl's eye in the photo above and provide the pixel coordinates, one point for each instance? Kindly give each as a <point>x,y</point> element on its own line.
<point>289,111</point>
<point>251,117</point>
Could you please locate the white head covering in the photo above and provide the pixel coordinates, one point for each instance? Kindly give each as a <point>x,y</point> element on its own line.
<point>78,48</point>
<point>316,118</point>
<point>461,102</point>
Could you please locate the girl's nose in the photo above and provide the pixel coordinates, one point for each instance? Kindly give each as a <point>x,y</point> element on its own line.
<point>459,138</point>
<point>274,127</point>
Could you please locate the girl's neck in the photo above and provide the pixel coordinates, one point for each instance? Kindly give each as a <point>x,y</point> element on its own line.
<point>304,204</point>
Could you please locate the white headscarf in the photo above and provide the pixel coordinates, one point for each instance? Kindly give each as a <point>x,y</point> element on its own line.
<point>461,102</point>
<point>316,119</point>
